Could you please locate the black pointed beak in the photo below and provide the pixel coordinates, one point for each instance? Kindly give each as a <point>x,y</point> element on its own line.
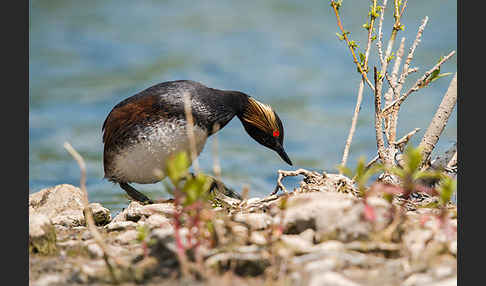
<point>280,150</point>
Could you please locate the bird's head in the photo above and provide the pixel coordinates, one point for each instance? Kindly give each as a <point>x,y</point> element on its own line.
<point>264,125</point>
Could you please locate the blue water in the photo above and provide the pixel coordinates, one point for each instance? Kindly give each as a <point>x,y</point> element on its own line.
<point>86,56</point>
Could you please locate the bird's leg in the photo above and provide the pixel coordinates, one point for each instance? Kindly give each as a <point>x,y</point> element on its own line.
<point>220,187</point>
<point>136,195</point>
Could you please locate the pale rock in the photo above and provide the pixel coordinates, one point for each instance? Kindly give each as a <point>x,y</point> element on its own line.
<point>296,243</point>
<point>333,215</point>
<point>415,242</point>
<point>94,250</point>
<point>133,212</point>
<point>42,234</point>
<point>447,282</point>
<point>252,200</point>
<point>331,278</point>
<point>120,225</point>
<point>258,238</point>
<point>127,237</point>
<point>443,272</point>
<point>49,279</point>
<point>158,220</point>
<point>327,264</point>
<point>329,245</point>
<point>418,279</point>
<point>62,204</point>
<point>308,235</point>
<point>240,230</point>
<point>166,209</point>
<point>101,215</point>
<point>453,247</point>
<point>257,221</point>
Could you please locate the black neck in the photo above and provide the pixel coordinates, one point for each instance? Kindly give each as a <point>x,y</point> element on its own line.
<point>235,100</point>
<point>231,102</point>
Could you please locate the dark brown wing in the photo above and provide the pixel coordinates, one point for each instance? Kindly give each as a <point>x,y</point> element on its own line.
<point>128,114</point>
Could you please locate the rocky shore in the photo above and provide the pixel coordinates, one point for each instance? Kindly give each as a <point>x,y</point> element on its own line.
<point>322,233</point>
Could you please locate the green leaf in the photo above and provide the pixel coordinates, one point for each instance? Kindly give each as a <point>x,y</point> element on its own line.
<point>353,44</point>
<point>142,233</point>
<point>177,167</point>
<point>196,189</point>
<point>427,175</point>
<point>439,76</point>
<point>362,56</point>
<point>346,171</point>
<point>446,189</point>
<point>413,159</point>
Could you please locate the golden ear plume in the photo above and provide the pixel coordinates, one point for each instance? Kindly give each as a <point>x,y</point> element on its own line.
<point>260,115</point>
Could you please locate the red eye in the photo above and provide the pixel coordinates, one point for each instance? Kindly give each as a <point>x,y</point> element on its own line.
<point>276,133</point>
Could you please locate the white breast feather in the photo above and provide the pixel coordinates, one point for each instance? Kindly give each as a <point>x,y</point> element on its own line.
<point>144,161</point>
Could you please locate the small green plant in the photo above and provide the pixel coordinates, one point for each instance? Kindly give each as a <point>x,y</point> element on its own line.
<point>193,210</point>
<point>361,176</point>
<point>143,238</point>
<point>411,174</point>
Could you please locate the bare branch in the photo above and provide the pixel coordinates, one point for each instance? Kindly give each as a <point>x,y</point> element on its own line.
<point>374,160</point>
<point>400,144</point>
<point>411,52</point>
<point>216,164</point>
<point>344,34</point>
<point>390,122</point>
<point>359,99</point>
<point>282,174</point>
<point>379,43</point>
<point>439,121</point>
<point>452,162</point>
<point>392,89</point>
<point>190,131</point>
<point>394,74</point>
<point>421,82</point>
<point>380,142</point>
<point>353,123</point>
<point>88,214</point>
<point>403,8</point>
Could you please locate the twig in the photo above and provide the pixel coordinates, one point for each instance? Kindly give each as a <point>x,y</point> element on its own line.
<point>88,214</point>
<point>392,93</point>
<point>406,65</point>
<point>452,162</point>
<point>391,41</point>
<point>392,88</point>
<point>374,160</point>
<point>384,66</point>
<point>359,99</point>
<point>216,164</point>
<point>282,174</point>
<point>439,121</point>
<point>190,131</point>
<point>421,82</point>
<point>400,144</point>
<point>379,43</point>
<point>394,74</point>
<point>344,34</point>
<point>380,142</point>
